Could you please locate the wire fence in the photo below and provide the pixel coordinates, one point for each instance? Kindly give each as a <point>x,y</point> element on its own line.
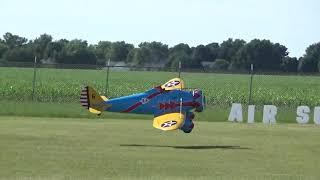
<point>62,83</point>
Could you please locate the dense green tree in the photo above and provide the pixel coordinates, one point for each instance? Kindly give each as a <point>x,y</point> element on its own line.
<point>310,61</point>
<point>15,48</point>
<point>58,51</point>
<point>262,53</point>
<point>180,48</point>
<point>289,64</point>
<point>158,52</point>
<point>20,54</point>
<point>199,54</point>
<point>237,54</point>
<point>220,65</point>
<point>75,52</point>
<point>229,48</point>
<point>3,48</point>
<point>42,46</point>
<point>115,51</point>
<point>139,56</point>
<point>214,50</point>
<point>180,53</point>
<point>118,51</point>
<point>154,52</point>
<point>102,51</point>
<point>131,55</point>
<point>13,41</point>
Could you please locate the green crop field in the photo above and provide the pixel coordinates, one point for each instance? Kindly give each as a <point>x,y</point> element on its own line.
<point>57,91</point>
<point>62,85</point>
<point>66,148</point>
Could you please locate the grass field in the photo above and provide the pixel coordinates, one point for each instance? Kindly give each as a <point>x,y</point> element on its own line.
<point>79,145</point>
<point>214,113</point>
<point>60,148</point>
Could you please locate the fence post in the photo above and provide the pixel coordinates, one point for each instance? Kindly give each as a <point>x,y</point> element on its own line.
<point>179,69</point>
<point>107,80</point>
<point>250,89</point>
<point>34,77</point>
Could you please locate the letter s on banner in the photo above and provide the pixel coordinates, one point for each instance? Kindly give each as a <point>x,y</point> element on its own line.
<point>302,114</point>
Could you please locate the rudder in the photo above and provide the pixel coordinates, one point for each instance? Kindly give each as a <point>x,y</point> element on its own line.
<point>92,101</point>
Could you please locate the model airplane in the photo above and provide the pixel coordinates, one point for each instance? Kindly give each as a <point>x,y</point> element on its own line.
<point>171,105</point>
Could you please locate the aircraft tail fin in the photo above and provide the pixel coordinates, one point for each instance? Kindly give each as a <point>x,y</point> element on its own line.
<point>92,101</point>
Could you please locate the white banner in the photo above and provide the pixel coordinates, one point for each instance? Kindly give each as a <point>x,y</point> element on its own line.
<point>270,114</point>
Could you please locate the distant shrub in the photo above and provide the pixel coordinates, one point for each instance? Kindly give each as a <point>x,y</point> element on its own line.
<point>220,64</point>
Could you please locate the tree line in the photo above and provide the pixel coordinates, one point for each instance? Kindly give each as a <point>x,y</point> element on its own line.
<point>231,54</point>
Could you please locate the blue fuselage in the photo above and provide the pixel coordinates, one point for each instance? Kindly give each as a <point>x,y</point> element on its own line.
<point>153,102</point>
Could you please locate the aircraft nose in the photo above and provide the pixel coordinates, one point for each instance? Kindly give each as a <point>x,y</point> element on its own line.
<point>199,99</point>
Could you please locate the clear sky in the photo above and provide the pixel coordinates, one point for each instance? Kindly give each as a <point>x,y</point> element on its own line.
<point>293,23</point>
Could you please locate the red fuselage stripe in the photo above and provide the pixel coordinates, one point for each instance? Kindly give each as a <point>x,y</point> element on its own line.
<point>140,103</point>
<point>173,105</point>
<point>133,107</point>
<point>153,95</point>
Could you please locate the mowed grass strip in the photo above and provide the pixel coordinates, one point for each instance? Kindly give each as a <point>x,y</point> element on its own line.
<point>75,110</point>
<point>66,148</point>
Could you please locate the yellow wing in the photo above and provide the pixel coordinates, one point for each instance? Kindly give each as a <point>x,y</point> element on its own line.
<point>168,122</point>
<point>173,84</point>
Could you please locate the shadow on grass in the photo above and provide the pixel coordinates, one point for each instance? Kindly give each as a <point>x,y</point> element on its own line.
<point>185,147</point>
